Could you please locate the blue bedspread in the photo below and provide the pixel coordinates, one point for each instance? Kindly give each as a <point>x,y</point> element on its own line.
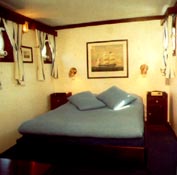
<point>67,120</point>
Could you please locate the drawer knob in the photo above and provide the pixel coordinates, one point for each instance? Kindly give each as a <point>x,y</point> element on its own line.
<point>157,101</point>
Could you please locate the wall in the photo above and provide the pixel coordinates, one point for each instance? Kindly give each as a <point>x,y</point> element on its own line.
<point>144,46</point>
<point>20,103</point>
<point>172,62</point>
<point>173,102</point>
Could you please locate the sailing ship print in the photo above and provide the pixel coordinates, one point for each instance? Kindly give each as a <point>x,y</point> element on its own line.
<point>108,61</point>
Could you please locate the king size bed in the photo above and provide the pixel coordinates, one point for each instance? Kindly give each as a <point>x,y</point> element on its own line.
<point>111,120</point>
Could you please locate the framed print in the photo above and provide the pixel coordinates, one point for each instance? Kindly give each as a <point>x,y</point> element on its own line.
<point>107,59</point>
<point>27,54</point>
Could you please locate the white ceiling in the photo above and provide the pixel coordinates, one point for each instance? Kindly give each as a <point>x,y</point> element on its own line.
<point>65,12</point>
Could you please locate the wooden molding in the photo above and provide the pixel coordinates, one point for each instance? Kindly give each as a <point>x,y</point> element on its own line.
<point>169,11</point>
<point>95,23</point>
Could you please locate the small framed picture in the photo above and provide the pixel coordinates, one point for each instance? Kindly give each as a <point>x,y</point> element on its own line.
<point>27,54</point>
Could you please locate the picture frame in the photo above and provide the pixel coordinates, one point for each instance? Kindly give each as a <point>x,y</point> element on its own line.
<point>107,59</point>
<point>27,54</point>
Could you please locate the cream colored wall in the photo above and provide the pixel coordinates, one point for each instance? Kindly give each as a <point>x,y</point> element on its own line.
<point>19,103</point>
<point>144,46</point>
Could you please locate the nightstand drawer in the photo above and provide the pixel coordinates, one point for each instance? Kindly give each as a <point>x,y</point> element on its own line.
<point>155,101</point>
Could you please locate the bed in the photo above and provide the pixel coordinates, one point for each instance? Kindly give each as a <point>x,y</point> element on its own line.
<point>112,120</point>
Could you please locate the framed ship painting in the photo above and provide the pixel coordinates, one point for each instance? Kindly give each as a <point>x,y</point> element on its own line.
<point>107,59</point>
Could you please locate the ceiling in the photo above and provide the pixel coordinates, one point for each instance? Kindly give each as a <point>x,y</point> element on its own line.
<point>66,12</point>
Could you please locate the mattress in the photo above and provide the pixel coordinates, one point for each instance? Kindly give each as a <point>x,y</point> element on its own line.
<point>68,120</point>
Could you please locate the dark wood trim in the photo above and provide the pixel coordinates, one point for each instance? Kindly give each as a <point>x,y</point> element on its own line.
<point>42,27</point>
<point>96,23</point>
<point>169,11</point>
<point>33,24</point>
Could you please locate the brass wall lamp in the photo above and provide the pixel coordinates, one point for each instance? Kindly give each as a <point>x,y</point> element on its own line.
<point>144,68</point>
<point>72,72</point>
<point>25,27</point>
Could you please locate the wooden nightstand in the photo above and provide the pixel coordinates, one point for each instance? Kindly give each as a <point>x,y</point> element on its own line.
<point>58,99</point>
<point>157,107</point>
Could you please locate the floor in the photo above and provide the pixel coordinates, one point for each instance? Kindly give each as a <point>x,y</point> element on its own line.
<point>161,158</point>
<point>162,150</point>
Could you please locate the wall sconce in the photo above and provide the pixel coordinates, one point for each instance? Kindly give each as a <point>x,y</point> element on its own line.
<point>25,27</point>
<point>144,69</point>
<point>72,72</point>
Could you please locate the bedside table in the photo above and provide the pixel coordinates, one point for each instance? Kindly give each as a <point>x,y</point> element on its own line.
<point>157,107</point>
<point>58,99</point>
